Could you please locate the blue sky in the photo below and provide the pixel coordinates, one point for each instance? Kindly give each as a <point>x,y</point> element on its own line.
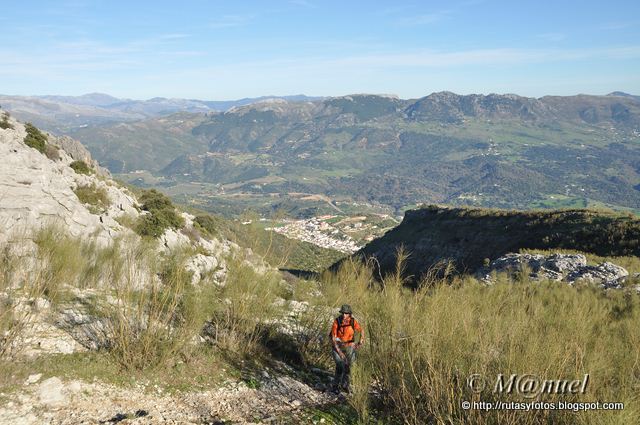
<point>218,50</point>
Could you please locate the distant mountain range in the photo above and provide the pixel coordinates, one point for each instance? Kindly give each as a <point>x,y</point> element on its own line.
<point>483,150</point>
<point>63,113</point>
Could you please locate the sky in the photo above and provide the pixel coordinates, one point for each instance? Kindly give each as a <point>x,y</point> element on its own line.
<point>223,50</point>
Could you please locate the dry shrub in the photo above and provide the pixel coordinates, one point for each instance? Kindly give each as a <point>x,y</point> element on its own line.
<point>244,307</point>
<point>146,324</point>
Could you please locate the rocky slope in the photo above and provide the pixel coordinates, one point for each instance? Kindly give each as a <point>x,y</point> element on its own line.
<point>38,190</point>
<point>39,187</point>
<point>280,397</point>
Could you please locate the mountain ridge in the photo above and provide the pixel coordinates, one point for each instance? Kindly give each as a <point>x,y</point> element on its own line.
<point>486,150</point>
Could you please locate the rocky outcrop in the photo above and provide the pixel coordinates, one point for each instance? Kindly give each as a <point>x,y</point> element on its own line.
<point>78,152</point>
<point>38,191</point>
<point>568,268</point>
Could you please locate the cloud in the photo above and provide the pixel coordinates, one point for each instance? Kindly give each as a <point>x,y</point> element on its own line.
<point>552,36</point>
<point>425,19</point>
<point>230,21</point>
<point>616,25</point>
<point>303,3</point>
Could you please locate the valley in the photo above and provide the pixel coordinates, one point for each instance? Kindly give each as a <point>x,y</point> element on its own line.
<point>491,151</point>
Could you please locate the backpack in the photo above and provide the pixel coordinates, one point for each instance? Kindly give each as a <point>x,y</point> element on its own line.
<point>340,325</point>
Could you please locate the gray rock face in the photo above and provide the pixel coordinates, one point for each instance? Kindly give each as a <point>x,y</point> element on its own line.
<point>89,331</point>
<point>37,191</point>
<point>560,267</point>
<point>78,153</point>
<point>609,274</point>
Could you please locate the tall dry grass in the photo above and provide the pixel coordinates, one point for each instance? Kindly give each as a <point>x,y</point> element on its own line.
<point>245,308</point>
<point>30,272</point>
<point>424,344</point>
<point>150,311</point>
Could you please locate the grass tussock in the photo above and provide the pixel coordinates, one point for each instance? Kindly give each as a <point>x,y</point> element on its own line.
<point>95,197</point>
<point>148,323</point>
<point>425,343</point>
<point>244,308</point>
<point>81,167</point>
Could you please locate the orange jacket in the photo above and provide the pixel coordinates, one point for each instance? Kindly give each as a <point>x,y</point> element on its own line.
<point>345,331</point>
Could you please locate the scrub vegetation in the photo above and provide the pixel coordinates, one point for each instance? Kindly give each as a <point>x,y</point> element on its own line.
<point>422,343</point>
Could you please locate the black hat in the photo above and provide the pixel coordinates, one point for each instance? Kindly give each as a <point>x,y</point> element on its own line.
<point>346,308</point>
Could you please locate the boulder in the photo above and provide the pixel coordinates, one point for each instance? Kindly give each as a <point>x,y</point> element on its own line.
<point>51,392</point>
<point>568,268</point>
<point>608,274</point>
<point>199,265</point>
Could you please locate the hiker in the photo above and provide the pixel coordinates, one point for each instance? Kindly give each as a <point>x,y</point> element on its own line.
<point>344,347</point>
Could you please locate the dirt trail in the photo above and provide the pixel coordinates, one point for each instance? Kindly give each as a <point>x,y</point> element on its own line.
<point>54,401</point>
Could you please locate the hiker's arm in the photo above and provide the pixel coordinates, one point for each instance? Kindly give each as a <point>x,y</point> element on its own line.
<point>359,329</point>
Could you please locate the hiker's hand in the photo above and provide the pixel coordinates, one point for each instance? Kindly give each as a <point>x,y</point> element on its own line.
<point>358,345</point>
<point>341,354</point>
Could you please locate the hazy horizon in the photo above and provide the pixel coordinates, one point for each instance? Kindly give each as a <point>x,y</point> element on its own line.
<point>301,94</point>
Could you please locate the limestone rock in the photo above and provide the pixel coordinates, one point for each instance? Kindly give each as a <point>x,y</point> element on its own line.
<point>51,392</point>
<point>199,265</point>
<point>32,379</point>
<point>568,268</point>
<point>172,239</point>
<point>38,191</point>
<point>609,274</point>
<point>88,331</point>
<point>78,152</point>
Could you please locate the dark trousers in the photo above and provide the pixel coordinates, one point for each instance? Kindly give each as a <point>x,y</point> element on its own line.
<point>343,367</point>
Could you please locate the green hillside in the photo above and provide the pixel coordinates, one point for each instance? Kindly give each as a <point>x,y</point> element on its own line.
<point>501,151</point>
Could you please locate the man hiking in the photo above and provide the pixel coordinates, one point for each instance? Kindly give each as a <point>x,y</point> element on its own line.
<point>344,347</point>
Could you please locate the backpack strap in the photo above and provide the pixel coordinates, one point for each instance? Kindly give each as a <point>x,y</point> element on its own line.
<point>351,323</point>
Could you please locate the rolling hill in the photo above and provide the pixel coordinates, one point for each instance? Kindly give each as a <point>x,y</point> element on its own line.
<point>491,150</point>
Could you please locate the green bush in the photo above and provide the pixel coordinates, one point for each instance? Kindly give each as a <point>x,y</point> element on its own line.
<point>150,225</point>
<point>162,215</point>
<point>96,197</point>
<point>207,223</point>
<point>35,138</point>
<point>81,167</point>
<point>4,122</point>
